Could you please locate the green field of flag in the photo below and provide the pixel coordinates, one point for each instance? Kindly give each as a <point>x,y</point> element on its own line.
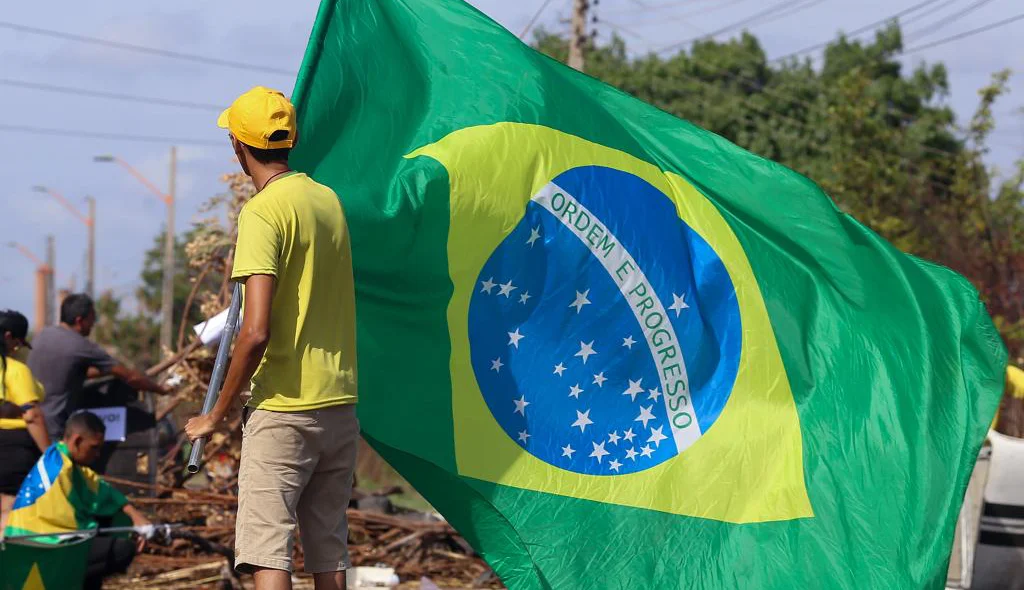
<point>614,349</point>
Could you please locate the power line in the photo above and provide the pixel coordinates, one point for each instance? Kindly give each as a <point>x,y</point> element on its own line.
<point>146,50</point>
<point>939,24</point>
<point>865,28</point>
<point>620,28</point>
<point>533,19</point>
<point>685,16</point>
<point>108,95</point>
<point>109,136</point>
<point>773,12</point>
<point>918,17</point>
<point>794,98</point>
<point>651,8</point>
<point>965,34</point>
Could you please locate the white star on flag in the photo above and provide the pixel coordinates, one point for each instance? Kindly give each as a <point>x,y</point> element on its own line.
<point>488,286</point>
<point>634,389</point>
<point>586,350</point>
<point>657,436</point>
<point>575,391</point>
<point>525,297</point>
<point>614,438</point>
<point>496,365</point>
<point>559,369</point>
<point>521,404</point>
<point>678,305</point>
<point>534,236</point>
<point>654,394</point>
<point>567,451</point>
<point>631,454</point>
<point>646,451</point>
<point>581,300</point>
<point>614,465</point>
<point>582,420</point>
<point>507,289</point>
<point>645,415</point>
<point>515,337</point>
<point>628,342</point>
<point>599,451</point>
<point>599,379</point>
<point>629,435</point>
<point>523,436</point>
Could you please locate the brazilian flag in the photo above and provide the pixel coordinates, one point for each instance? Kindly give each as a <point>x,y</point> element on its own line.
<point>614,349</point>
<point>33,565</point>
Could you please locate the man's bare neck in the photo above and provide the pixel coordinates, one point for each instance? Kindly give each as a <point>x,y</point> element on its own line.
<point>267,173</point>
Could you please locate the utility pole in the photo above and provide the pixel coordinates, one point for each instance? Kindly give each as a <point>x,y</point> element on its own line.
<point>42,309</point>
<point>51,288</point>
<point>42,275</point>
<point>578,37</point>
<point>167,300</point>
<point>90,261</point>
<point>90,225</point>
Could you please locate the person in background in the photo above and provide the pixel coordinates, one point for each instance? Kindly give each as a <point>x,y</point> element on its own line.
<point>23,435</point>
<point>63,357</point>
<point>1011,408</point>
<point>61,494</point>
<point>297,349</point>
<point>14,331</point>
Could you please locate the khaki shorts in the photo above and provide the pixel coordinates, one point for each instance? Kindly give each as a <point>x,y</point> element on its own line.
<point>296,468</point>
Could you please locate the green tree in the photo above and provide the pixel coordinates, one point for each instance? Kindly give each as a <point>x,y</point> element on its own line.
<point>133,337</point>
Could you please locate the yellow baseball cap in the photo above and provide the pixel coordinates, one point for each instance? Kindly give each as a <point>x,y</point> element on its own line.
<point>257,114</point>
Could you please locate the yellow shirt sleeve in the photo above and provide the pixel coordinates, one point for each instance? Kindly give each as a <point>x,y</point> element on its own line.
<point>1015,382</point>
<point>258,249</point>
<point>20,387</point>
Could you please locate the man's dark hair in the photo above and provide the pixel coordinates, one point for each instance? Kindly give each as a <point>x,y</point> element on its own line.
<point>84,422</point>
<point>14,322</point>
<point>78,305</point>
<point>276,155</point>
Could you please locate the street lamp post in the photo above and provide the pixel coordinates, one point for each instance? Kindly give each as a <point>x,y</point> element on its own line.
<point>167,295</point>
<point>90,223</point>
<point>44,283</point>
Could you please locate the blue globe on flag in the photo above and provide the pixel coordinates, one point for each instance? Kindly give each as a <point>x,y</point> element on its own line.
<point>604,332</point>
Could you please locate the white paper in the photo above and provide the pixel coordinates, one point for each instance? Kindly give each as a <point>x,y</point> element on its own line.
<point>209,332</point>
<point>116,421</point>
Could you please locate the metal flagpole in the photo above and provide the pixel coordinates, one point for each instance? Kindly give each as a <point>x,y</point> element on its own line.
<point>217,378</point>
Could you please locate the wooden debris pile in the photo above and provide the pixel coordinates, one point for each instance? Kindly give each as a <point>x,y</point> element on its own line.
<point>414,544</point>
<point>199,552</point>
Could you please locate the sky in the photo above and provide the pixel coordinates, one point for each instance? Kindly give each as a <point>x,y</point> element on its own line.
<point>129,217</point>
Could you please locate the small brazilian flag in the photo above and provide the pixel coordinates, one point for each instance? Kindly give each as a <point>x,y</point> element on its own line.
<point>614,349</point>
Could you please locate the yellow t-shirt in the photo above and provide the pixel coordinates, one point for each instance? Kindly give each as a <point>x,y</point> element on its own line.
<point>295,230</point>
<point>1014,388</point>
<point>19,387</point>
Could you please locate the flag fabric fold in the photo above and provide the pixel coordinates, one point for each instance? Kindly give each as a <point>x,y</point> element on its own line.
<point>616,350</point>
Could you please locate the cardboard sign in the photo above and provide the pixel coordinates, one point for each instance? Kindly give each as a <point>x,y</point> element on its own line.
<point>116,420</point>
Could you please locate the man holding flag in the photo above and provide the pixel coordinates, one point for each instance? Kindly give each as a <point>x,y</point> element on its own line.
<point>297,347</point>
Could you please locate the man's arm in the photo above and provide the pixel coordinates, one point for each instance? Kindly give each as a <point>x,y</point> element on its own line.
<point>36,426</point>
<point>138,520</point>
<point>252,343</point>
<point>100,363</point>
<point>138,380</point>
